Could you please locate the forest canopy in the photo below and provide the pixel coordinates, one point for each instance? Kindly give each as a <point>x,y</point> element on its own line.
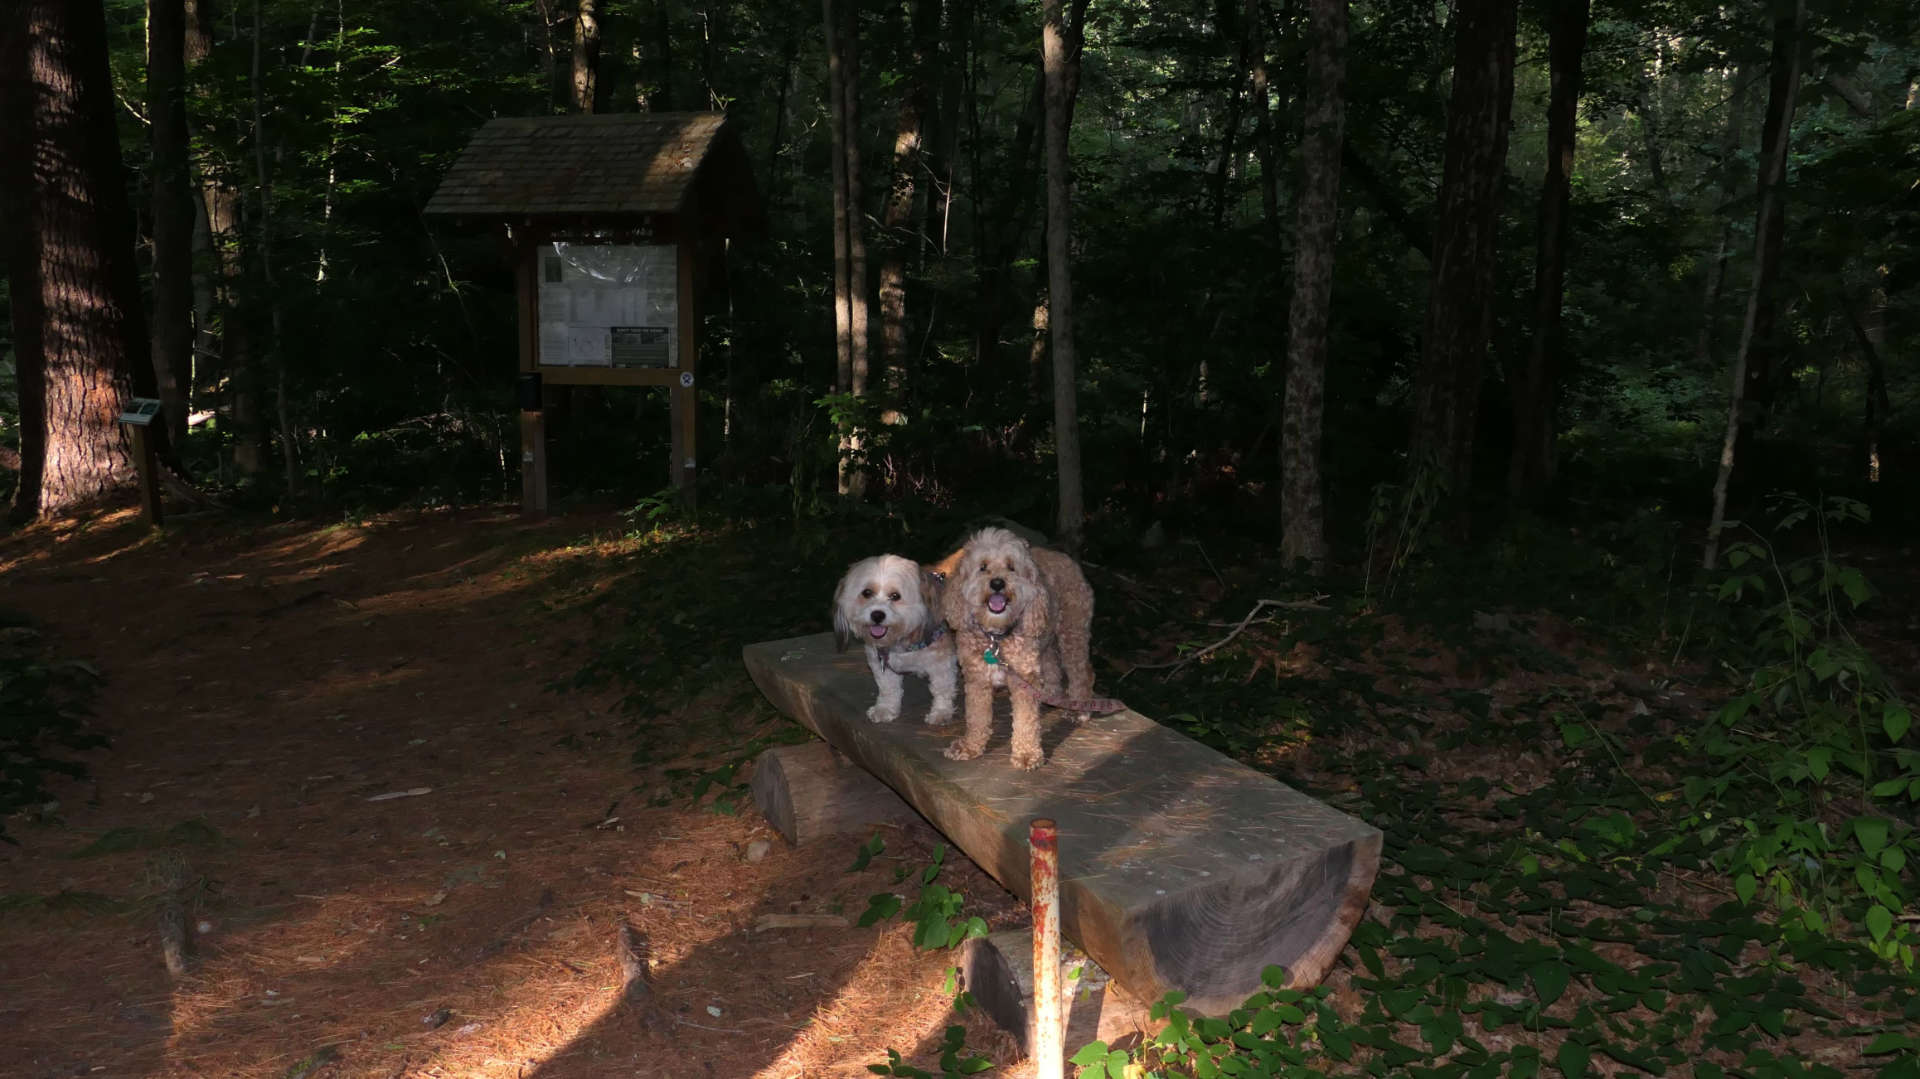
<point>321,341</point>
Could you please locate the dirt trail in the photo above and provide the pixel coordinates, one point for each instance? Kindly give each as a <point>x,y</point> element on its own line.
<point>264,689</point>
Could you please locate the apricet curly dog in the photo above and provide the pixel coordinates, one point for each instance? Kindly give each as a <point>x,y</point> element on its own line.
<point>1016,607</point>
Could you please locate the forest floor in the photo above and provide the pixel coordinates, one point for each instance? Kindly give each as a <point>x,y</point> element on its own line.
<point>264,688</point>
<point>559,715</point>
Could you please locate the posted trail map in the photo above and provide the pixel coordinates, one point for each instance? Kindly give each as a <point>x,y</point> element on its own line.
<point>609,305</point>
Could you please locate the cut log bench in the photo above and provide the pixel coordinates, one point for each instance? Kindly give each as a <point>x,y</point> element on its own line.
<point>1179,867</point>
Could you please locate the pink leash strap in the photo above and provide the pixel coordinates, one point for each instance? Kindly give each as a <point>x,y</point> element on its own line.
<point>1099,706</point>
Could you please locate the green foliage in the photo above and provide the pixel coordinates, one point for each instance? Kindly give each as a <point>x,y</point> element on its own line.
<point>1813,782</point>
<point>43,709</point>
<point>954,1060</point>
<point>935,912</point>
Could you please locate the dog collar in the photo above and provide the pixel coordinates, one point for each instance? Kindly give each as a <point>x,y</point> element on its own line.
<point>939,631</point>
<point>992,654</point>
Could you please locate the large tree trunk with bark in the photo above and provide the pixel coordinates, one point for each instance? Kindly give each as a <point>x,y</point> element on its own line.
<point>1302,527</point>
<point>92,337</point>
<point>173,216</point>
<point>1059,64</point>
<point>224,274</point>
<point>1263,125</point>
<point>1752,383</point>
<point>1535,393</point>
<point>897,218</point>
<point>20,247</point>
<point>1446,393</point>
<point>841,22</point>
<point>860,320</point>
<point>837,162</point>
<point>586,55</point>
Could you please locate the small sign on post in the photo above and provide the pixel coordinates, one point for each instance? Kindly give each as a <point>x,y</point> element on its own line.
<point>137,417</point>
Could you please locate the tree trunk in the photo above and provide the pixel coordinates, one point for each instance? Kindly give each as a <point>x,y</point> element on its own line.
<point>1868,334</point>
<point>897,219</point>
<point>661,100</point>
<point>173,215</point>
<point>92,340</point>
<point>789,52</point>
<point>837,160</point>
<point>941,145</point>
<point>20,247</point>
<point>1001,229</point>
<point>1236,102</point>
<point>1302,531</point>
<point>1531,469</point>
<point>860,321</point>
<point>586,55</point>
<point>1263,125</point>
<point>1446,393</point>
<point>1752,386</point>
<point>1705,344</point>
<point>1059,64</point>
<point>263,248</point>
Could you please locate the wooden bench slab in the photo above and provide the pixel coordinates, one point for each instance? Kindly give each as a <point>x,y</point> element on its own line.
<point>1179,868</point>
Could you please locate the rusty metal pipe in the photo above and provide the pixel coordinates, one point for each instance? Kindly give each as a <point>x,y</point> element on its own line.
<point>1049,1052</point>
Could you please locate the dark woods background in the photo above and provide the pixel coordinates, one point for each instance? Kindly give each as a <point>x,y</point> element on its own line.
<point>341,350</point>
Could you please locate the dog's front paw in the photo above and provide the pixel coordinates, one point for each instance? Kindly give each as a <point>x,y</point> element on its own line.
<point>962,750</point>
<point>1029,759</point>
<point>940,717</point>
<point>884,713</point>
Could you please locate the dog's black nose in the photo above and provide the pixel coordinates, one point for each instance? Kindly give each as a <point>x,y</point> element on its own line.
<point>998,584</point>
<point>879,617</point>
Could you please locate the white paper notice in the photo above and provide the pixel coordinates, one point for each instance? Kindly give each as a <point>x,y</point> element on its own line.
<point>609,305</point>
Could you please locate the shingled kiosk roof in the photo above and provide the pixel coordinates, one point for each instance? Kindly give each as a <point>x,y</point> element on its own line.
<point>608,165</point>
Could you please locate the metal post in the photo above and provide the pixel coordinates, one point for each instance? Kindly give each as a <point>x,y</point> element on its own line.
<point>1049,1052</point>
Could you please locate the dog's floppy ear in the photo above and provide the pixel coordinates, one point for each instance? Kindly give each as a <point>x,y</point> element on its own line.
<point>933,588</point>
<point>842,629</point>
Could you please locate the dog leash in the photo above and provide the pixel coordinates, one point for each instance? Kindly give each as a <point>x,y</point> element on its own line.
<point>1099,706</point>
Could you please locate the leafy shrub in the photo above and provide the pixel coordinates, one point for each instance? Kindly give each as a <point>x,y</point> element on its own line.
<point>1813,776</point>
<point>42,711</point>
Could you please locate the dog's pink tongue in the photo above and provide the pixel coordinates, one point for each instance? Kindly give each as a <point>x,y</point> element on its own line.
<point>878,632</point>
<point>996,603</point>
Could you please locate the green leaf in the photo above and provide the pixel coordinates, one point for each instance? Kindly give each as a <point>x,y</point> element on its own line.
<point>1879,921</point>
<point>1887,788</point>
<point>864,856</point>
<point>1871,832</point>
<point>1572,1059</point>
<point>1116,1064</point>
<point>1854,584</point>
<point>1889,1043</point>
<point>1896,720</point>
<point>1549,980</point>
<point>1089,1054</point>
<point>1273,977</point>
<point>880,907</point>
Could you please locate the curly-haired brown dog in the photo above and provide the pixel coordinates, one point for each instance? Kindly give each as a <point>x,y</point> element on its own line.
<point>1013,606</point>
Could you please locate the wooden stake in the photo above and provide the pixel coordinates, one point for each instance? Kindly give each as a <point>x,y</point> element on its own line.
<point>1049,1054</point>
<point>149,474</point>
<point>533,463</point>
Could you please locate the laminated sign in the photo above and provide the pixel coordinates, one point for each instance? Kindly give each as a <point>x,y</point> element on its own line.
<point>609,305</point>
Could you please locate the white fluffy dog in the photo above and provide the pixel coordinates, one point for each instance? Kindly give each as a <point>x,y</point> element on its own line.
<point>892,605</point>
